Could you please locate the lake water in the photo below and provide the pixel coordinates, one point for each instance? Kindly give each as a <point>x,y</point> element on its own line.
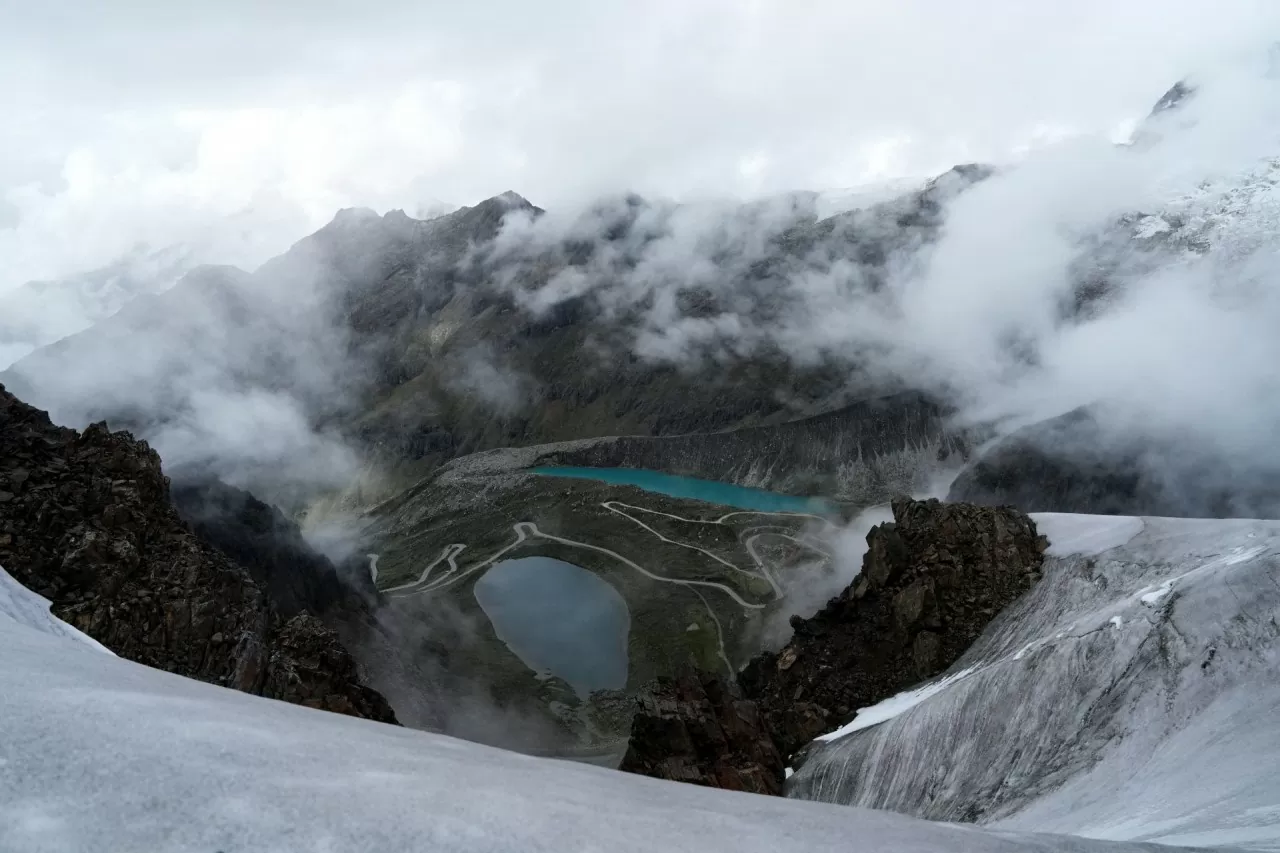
<point>677,486</point>
<point>559,619</point>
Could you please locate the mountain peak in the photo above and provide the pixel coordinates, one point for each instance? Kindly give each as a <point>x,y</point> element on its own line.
<point>355,214</point>
<point>513,199</point>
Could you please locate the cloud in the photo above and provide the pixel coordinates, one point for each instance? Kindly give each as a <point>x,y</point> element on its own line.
<point>1138,275</point>
<point>134,126</point>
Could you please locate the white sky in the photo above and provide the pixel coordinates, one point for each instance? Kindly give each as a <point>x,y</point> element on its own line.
<point>245,124</point>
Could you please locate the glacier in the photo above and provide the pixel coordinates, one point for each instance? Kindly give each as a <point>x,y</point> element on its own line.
<point>101,754</point>
<point>1133,694</point>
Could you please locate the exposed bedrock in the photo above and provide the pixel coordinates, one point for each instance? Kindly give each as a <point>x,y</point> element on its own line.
<point>263,540</point>
<point>86,521</point>
<point>698,728</point>
<point>931,581</point>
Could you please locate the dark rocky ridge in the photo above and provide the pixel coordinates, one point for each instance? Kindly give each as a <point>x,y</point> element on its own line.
<point>1080,462</point>
<point>931,582</point>
<point>697,728</point>
<point>86,521</point>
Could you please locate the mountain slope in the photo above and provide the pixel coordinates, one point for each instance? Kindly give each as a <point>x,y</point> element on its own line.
<point>419,341</point>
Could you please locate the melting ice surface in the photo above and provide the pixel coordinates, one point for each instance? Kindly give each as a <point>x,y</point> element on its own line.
<point>691,488</point>
<point>559,619</point>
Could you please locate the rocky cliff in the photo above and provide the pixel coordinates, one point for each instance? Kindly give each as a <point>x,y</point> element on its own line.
<point>1134,689</point>
<point>931,581</point>
<point>86,521</point>
<point>697,728</point>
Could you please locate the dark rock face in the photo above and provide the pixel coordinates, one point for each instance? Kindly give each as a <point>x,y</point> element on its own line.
<point>697,728</point>
<point>1077,463</point>
<point>85,520</point>
<point>263,540</point>
<point>309,666</point>
<point>931,582</point>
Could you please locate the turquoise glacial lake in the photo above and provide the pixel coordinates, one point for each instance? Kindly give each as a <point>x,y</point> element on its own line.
<point>559,619</point>
<point>677,486</point>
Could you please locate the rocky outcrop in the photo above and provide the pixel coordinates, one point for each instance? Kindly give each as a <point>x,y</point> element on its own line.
<point>1086,461</point>
<point>86,521</point>
<point>260,538</point>
<point>309,666</point>
<point>931,581</point>
<point>697,728</point>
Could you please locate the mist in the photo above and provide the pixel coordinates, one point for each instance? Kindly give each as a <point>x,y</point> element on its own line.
<point>131,127</point>
<point>225,373</point>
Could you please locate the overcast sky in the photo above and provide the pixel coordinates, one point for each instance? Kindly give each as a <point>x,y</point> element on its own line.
<point>246,124</point>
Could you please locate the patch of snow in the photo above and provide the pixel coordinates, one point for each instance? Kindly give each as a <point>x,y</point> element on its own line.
<point>1116,622</point>
<point>1085,535</point>
<point>789,772</point>
<point>373,567</point>
<point>1150,598</point>
<point>894,705</point>
<point>26,608</point>
<point>1150,226</point>
<point>1022,652</point>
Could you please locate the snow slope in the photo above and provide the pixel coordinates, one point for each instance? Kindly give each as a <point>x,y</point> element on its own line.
<point>22,606</point>
<point>100,754</point>
<point>1133,694</point>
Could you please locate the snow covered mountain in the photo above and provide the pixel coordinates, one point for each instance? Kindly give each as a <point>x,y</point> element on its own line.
<point>100,754</point>
<point>1133,694</point>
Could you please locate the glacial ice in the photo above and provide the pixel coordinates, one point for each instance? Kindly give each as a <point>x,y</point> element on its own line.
<point>1086,535</point>
<point>101,754</point>
<point>1133,694</point>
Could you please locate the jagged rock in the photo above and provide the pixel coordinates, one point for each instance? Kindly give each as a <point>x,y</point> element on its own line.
<point>931,582</point>
<point>697,728</point>
<point>90,527</point>
<point>307,662</point>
